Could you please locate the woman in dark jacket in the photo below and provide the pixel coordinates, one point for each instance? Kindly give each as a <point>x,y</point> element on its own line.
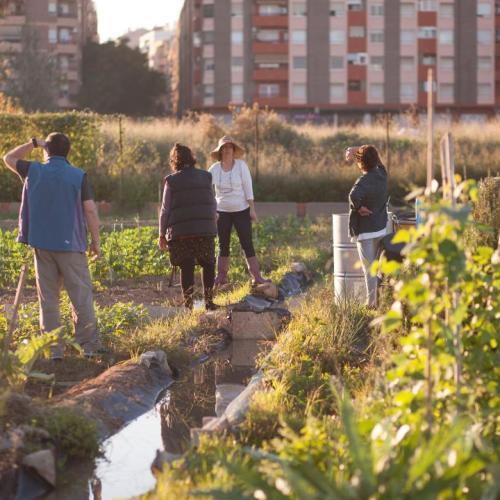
<point>188,223</point>
<point>368,211</point>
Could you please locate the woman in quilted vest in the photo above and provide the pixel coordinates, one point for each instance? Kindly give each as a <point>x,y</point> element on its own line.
<point>188,223</point>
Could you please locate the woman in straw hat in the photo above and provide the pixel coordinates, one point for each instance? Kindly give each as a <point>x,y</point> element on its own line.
<point>235,206</point>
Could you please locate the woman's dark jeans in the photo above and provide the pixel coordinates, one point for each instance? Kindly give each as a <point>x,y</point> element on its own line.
<point>243,225</point>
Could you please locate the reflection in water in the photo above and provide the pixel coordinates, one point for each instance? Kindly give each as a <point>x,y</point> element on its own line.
<point>125,471</point>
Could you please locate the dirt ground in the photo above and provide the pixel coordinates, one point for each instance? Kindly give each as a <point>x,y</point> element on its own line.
<point>147,291</point>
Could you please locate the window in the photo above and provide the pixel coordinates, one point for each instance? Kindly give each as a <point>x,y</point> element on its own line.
<point>483,9</point>
<point>377,36</point>
<point>427,5</point>
<point>357,58</point>
<point>355,85</point>
<point>446,10</point>
<point>407,37</point>
<point>429,59</point>
<point>65,35</point>
<point>376,91</point>
<point>269,90</point>
<point>497,35</point>
<point>337,92</point>
<point>64,90</point>
<point>299,9</point>
<point>209,64</point>
<point>447,63</point>
<point>209,37</point>
<point>407,10</point>
<point>377,62</point>
<point>236,9</point>
<point>268,65</point>
<point>407,91</point>
<point>299,62</point>
<point>299,92</point>
<point>299,36</point>
<point>272,10</point>
<point>237,92</point>
<point>52,8</point>
<point>484,37</point>
<point>208,91</point>
<point>357,31</point>
<point>336,62</point>
<point>497,7</point>
<point>484,91</point>
<point>354,5</point>
<point>485,63</point>
<point>237,37</point>
<point>12,34</point>
<point>237,62</point>
<point>64,10</point>
<point>208,10</point>
<point>208,95</point>
<point>407,63</point>
<point>197,39</point>
<point>446,37</point>
<point>337,9</point>
<point>377,9</point>
<point>427,32</point>
<point>52,35</point>
<point>337,37</point>
<point>268,36</point>
<point>446,92</point>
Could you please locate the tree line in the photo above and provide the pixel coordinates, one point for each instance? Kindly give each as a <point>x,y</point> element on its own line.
<point>114,79</point>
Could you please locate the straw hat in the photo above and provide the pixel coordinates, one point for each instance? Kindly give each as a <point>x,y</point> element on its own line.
<point>238,150</point>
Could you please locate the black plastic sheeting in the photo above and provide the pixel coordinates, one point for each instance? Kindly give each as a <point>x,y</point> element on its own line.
<point>291,285</point>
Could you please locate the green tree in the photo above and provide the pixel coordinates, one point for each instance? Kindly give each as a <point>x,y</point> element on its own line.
<point>117,79</point>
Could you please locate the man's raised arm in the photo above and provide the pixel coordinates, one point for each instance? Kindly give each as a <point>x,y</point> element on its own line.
<point>20,153</point>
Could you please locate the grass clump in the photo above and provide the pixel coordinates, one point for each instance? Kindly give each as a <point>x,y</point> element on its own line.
<point>74,435</point>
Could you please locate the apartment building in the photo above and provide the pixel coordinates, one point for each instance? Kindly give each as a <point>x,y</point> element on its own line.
<point>156,45</point>
<point>347,57</point>
<point>61,28</point>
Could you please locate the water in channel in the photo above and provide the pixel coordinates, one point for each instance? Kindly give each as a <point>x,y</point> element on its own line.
<point>205,391</point>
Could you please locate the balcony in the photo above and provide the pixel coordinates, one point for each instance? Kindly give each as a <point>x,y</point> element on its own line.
<point>270,47</point>
<point>270,21</point>
<point>270,74</point>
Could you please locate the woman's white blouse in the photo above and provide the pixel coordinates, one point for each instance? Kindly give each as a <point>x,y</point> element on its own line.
<point>233,189</point>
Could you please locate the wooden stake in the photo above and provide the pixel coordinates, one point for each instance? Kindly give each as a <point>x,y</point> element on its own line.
<point>430,129</point>
<point>13,320</point>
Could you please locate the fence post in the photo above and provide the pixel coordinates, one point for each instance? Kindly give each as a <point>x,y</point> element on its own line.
<point>257,144</point>
<point>388,120</point>
<point>430,128</point>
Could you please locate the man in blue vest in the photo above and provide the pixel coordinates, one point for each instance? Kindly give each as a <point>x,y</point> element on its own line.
<point>57,208</point>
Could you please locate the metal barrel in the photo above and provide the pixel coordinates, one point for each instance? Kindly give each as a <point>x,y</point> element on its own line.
<point>348,277</point>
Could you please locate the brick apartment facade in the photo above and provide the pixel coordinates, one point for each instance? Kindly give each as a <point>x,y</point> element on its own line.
<point>62,27</point>
<point>347,57</point>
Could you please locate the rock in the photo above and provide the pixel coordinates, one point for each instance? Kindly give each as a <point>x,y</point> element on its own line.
<point>298,267</point>
<point>247,325</point>
<point>268,290</point>
<point>155,358</point>
<point>44,463</point>
<point>224,394</point>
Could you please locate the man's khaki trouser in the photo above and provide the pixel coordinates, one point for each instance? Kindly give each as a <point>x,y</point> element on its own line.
<point>70,269</point>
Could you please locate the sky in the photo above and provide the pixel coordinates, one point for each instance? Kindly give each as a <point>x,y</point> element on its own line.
<point>115,17</point>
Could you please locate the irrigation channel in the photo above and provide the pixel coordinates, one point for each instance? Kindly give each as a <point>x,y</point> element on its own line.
<point>212,395</point>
